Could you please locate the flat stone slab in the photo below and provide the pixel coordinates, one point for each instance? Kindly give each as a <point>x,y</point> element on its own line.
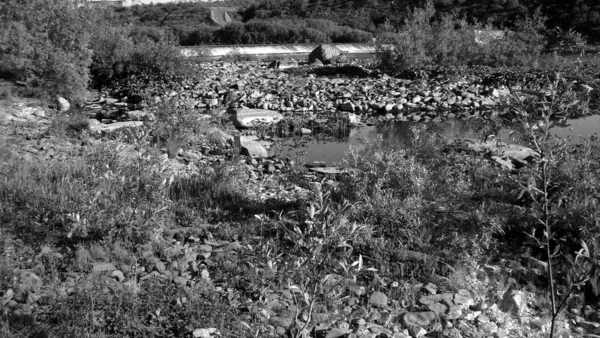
<point>249,146</point>
<point>109,128</point>
<point>98,267</point>
<point>327,170</point>
<point>249,118</point>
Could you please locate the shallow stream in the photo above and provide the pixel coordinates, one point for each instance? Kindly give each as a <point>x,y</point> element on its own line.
<point>399,135</point>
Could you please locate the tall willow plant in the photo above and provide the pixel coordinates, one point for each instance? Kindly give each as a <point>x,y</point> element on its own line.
<point>544,184</point>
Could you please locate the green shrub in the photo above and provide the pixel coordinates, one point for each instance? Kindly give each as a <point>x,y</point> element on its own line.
<point>69,201</point>
<point>426,198</point>
<point>202,34</point>
<point>133,60</point>
<point>429,38</point>
<point>72,124</point>
<point>45,44</point>
<point>160,309</point>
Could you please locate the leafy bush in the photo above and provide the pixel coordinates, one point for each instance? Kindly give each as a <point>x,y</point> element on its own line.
<point>134,58</point>
<point>72,198</point>
<point>202,34</point>
<point>560,193</point>
<point>69,125</point>
<point>429,38</point>
<point>412,196</point>
<point>45,44</point>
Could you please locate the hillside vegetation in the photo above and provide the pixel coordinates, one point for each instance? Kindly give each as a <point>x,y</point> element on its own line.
<point>292,21</point>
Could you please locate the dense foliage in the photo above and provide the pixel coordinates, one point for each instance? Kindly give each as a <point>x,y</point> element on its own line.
<point>192,24</point>
<point>46,45</point>
<point>60,48</point>
<point>375,15</point>
<point>291,21</point>
<point>448,41</point>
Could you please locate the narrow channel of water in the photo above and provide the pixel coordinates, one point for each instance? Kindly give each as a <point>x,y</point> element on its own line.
<point>399,135</point>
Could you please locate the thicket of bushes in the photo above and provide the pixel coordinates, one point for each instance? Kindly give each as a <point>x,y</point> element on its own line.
<point>347,21</point>
<point>46,44</point>
<point>270,31</point>
<point>58,48</point>
<point>192,25</point>
<point>431,38</point>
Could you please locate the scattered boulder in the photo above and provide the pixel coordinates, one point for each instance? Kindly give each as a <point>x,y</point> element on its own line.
<point>283,64</point>
<point>509,156</point>
<point>137,115</point>
<point>327,170</point>
<point>63,104</point>
<point>514,301</point>
<point>206,333</point>
<point>431,288</point>
<point>281,322</point>
<point>324,53</point>
<point>21,112</point>
<point>109,128</point>
<point>431,299</point>
<point>424,318</point>
<point>316,63</point>
<point>341,59</point>
<point>353,119</point>
<point>249,118</point>
<point>305,131</point>
<point>250,147</point>
<point>437,308</point>
<point>520,156</point>
<point>336,333</point>
<point>378,299</point>
<point>118,275</point>
<point>290,63</point>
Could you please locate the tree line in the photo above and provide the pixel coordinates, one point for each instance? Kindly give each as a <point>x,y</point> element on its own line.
<point>296,21</point>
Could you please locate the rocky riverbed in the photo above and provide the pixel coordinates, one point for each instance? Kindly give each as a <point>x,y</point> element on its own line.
<point>306,99</point>
<point>349,88</point>
<point>313,93</point>
<point>252,95</point>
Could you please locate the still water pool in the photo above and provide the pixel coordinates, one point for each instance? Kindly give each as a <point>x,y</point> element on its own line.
<point>399,135</point>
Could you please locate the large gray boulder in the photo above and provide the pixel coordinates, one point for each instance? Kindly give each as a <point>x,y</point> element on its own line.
<point>249,118</point>
<point>324,53</point>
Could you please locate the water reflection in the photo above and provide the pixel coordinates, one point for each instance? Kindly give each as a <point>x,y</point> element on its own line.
<point>399,136</point>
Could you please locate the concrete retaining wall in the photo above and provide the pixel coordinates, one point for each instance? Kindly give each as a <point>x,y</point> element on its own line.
<point>272,50</point>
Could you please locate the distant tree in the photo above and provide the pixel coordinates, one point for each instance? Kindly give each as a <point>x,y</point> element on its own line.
<point>594,17</point>
<point>230,34</point>
<point>512,4</point>
<point>142,33</point>
<point>200,35</point>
